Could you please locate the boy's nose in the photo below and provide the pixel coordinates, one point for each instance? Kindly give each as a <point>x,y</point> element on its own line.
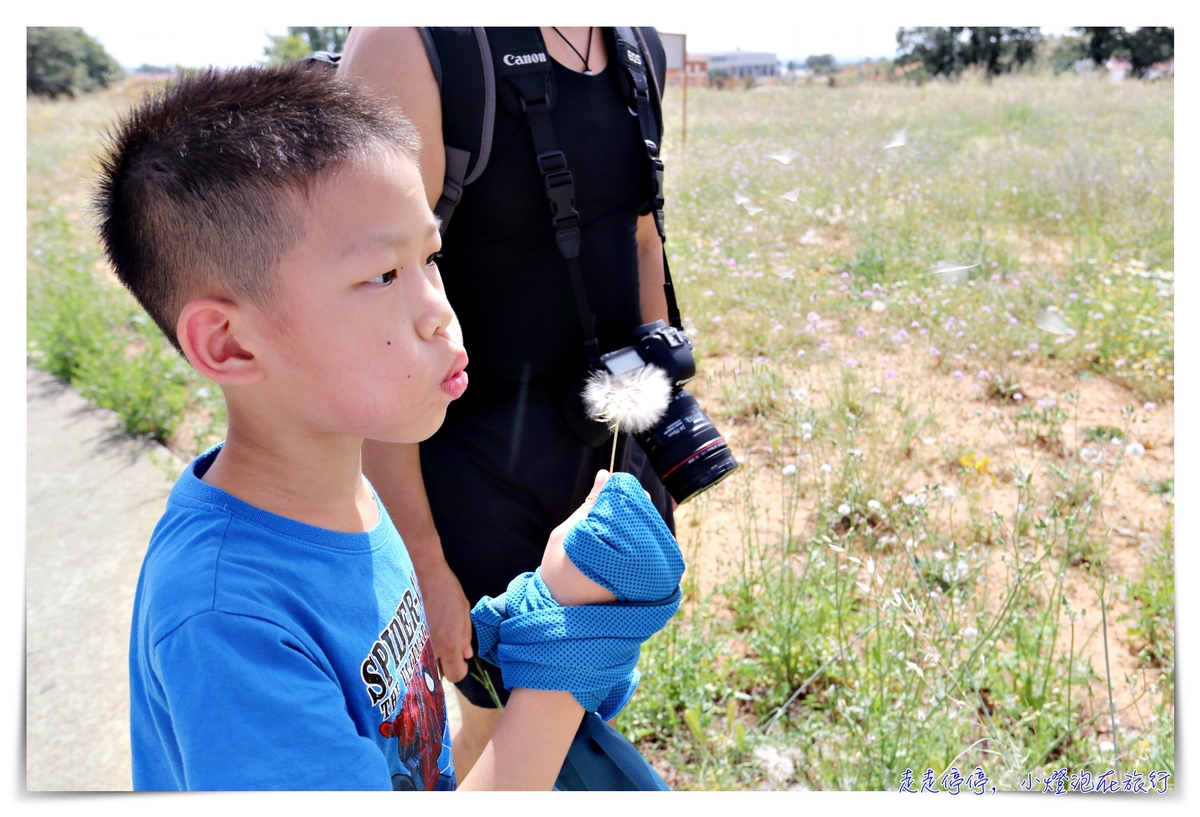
<point>438,317</point>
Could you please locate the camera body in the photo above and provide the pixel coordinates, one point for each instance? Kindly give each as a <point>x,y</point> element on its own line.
<point>685,449</point>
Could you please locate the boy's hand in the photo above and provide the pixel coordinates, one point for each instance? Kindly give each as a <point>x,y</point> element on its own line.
<point>566,582</point>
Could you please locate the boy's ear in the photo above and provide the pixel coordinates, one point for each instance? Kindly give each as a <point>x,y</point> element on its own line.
<point>208,331</point>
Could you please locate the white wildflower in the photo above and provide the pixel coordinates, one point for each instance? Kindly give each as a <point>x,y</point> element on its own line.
<point>874,505</point>
<point>970,632</point>
<point>1136,449</point>
<point>843,509</point>
<point>779,767</point>
<point>789,469</point>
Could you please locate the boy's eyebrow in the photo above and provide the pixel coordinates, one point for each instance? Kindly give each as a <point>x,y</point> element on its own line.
<point>392,239</point>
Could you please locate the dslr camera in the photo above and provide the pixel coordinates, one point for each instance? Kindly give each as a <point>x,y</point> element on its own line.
<point>685,449</point>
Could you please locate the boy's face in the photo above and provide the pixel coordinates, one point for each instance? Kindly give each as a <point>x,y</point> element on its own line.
<point>367,344</point>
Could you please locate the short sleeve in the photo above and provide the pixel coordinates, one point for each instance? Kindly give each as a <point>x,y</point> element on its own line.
<point>252,709</point>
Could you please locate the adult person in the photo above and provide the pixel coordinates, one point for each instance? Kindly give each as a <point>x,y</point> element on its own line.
<point>505,451</point>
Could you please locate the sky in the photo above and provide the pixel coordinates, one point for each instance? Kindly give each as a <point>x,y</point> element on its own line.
<point>235,33</point>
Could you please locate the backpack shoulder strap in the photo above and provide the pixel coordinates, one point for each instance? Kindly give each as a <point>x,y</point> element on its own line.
<point>461,60</point>
<point>637,69</point>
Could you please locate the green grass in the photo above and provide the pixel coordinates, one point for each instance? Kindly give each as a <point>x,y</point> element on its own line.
<point>82,327</point>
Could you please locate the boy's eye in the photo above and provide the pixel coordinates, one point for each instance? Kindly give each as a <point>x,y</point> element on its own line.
<point>433,259</point>
<point>386,278</point>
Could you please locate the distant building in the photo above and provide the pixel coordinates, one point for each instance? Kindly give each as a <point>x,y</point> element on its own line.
<point>743,63</point>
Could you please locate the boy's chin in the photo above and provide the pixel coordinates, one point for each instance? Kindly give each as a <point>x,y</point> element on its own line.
<point>414,433</point>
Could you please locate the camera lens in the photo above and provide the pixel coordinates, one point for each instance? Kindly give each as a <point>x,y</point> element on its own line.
<point>686,451</point>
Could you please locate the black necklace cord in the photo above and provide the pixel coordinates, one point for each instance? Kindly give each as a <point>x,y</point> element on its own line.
<point>583,58</point>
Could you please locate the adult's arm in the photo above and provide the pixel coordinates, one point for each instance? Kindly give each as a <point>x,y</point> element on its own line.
<point>651,276</point>
<point>395,471</point>
<point>392,63</point>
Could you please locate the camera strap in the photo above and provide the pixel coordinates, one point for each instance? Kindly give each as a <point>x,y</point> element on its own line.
<point>525,81</point>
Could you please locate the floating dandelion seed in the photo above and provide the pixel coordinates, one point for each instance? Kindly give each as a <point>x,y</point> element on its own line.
<point>633,401</point>
<point>792,195</point>
<point>899,140</point>
<point>953,273</point>
<point>738,198</point>
<point>753,209</point>
<point>1053,322</point>
<point>784,158</point>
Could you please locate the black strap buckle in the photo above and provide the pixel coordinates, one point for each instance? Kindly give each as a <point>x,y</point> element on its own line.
<point>551,162</point>
<point>451,191</point>
<point>560,189</point>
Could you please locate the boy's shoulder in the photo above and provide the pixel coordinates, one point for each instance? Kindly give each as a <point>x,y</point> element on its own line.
<point>213,553</point>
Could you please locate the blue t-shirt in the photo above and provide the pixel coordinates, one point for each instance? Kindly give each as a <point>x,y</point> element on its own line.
<point>270,654</point>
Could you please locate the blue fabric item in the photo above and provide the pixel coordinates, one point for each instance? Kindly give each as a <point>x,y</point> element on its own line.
<point>601,759</point>
<point>623,544</point>
<point>270,654</point>
<point>589,650</point>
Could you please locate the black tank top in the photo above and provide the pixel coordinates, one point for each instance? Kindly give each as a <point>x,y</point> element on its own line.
<point>502,270</point>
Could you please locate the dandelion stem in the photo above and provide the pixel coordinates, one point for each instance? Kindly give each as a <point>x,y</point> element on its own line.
<point>616,436</point>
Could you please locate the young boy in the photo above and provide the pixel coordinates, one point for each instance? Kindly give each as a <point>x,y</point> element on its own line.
<point>273,223</point>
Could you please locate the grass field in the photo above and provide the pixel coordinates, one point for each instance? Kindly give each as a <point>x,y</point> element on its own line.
<point>936,325</point>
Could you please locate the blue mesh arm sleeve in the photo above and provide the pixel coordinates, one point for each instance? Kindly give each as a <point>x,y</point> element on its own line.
<point>589,650</point>
<point>623,544</point>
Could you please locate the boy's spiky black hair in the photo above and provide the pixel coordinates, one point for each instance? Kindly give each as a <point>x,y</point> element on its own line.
<point>201,183</point>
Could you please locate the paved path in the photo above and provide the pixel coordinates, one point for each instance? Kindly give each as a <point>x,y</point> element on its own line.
<point>93,498</point>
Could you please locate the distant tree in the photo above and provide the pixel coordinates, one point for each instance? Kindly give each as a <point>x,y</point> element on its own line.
<point>820,63</point>
<point>146,68</point>
<point>1143,47</point>
<point>66,62</point>
<point>323,39</point>
<point>719,77</point>
<point>301,41</point>
<point>947,51</point>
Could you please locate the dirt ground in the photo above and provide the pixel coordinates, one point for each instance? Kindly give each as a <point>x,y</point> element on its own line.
<point>1129,517</point>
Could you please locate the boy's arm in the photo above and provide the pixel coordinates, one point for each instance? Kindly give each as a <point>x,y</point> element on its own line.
<point>394,469</point>
<point>530,743</point>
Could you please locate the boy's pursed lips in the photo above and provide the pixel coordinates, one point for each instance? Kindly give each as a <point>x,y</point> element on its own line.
<point>455,382</point>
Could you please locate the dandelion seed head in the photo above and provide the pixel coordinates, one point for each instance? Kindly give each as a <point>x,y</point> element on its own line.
<point>632,401</point>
